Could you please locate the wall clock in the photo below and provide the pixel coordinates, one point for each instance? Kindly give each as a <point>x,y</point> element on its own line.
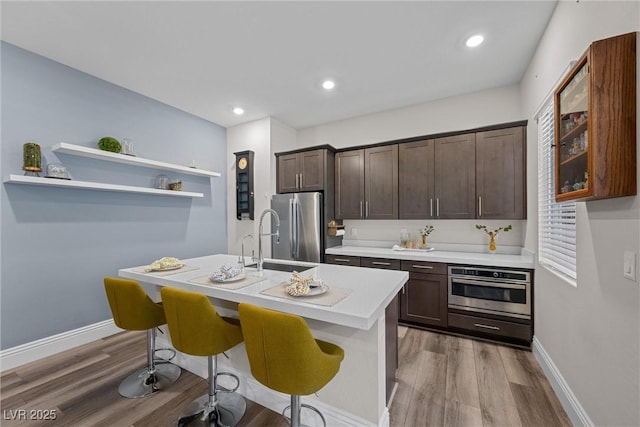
<point>244,185</point>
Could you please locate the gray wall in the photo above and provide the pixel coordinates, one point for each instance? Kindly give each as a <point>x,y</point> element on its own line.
<point>591,331</point>
<point>58,244</point>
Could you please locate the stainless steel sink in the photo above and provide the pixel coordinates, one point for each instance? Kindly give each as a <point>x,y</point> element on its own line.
<point>285,267</point>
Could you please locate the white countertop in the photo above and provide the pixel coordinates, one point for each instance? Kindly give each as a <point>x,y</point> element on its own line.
<point>371,290</point>
<point>521,260</point>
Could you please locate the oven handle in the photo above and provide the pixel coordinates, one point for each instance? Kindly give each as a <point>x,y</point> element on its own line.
<point>503,284</point>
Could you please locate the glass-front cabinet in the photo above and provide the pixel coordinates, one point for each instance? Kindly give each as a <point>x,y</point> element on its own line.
<point>573,134</point>
<point>595,123</point>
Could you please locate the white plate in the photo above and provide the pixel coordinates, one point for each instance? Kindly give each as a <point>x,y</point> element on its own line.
<point>166,268</point>
<point>231,279</point>
<point>315,290</point>
<point>318,290</point>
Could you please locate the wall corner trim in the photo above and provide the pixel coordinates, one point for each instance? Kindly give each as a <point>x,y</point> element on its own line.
<point>35,350</point>
<point>569,401</point>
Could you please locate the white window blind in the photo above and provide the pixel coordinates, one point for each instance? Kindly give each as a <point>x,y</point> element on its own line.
<point>556,221</point>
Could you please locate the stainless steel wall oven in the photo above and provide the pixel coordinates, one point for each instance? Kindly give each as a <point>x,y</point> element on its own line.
<point>490,290</point>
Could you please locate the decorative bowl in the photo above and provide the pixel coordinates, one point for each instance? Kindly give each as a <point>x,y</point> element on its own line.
<point>175,186</point>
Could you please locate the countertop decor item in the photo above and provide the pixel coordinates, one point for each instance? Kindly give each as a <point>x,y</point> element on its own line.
<point>493,234</point>
<point>162,182</point>
<point>424,232</point>
<point>127,147</point>
<point>175,186</point>
<point>109,143</point>
<point>31,158</point>
<point>56,170</point>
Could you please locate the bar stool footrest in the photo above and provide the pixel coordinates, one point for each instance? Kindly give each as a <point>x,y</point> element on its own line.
<point>228,374</point>
<point>304,405</point>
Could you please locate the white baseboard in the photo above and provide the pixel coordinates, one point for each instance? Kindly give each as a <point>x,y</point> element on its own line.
<point>32,351</point>
<point>569,401</point>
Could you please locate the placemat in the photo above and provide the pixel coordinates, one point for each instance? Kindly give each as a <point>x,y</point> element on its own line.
<point>329,298</point>
<point>249,280</point>
<point>168,272</point>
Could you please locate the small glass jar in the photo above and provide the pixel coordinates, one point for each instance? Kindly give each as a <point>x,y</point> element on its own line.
<point>405,239</point>
<point>162,182</point>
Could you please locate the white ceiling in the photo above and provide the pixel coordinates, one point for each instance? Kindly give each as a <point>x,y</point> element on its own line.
<point>206,57</point>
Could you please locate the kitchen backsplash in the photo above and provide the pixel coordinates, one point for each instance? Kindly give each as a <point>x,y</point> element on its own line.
<point>445,231</point>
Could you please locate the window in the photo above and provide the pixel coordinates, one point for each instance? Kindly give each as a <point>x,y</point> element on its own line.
<point>556,221</point>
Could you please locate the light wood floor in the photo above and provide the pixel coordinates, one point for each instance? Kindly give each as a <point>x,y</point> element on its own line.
<point>443,381</point>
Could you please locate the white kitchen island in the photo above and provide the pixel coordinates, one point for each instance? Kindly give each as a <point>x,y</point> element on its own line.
<point>356,396</point>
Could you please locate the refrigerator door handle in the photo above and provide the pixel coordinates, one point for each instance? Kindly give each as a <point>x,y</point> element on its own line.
<point>291,226</point>
<point>296,230</point>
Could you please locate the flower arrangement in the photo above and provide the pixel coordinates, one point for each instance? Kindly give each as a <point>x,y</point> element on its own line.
<point>428,229</point>
<point>424,232</point>
<point>492,234</point>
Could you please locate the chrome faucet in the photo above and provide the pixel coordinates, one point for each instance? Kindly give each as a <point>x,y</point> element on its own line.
<point>260,234</point>
<point>253,258</point>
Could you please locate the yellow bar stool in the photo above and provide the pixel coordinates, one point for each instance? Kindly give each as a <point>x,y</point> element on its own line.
<point>284,355</point>
<point>197,329</point>
<point>133,310</point>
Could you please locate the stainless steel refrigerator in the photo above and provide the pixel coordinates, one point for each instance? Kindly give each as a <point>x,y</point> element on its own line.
<point>302,227</point>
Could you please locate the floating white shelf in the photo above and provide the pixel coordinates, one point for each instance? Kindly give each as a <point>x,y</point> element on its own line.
<point>98,186</point>
<point>79,150</point>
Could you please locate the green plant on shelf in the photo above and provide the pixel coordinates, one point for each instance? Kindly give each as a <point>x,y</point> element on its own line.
<point>109,143</point>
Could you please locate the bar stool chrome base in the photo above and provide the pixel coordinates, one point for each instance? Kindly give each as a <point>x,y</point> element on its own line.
<point>143,383</point>
<point>228,410</point>
<point>157,375</point>
<point>217,408</point>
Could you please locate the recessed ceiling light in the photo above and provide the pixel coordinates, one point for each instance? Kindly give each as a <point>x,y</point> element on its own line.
<point>474,40</point>
<point>328,84</point>
<point>238,111</point>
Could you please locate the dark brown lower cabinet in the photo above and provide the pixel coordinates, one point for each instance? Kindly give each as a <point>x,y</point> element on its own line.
<point>423,299</point>
<point>517,331</point>
<point>353,261</point>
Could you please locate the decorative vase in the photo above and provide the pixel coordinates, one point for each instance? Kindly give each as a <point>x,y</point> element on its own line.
<point>492,242</point>
<point>423,244</point>
<point>31,158</point>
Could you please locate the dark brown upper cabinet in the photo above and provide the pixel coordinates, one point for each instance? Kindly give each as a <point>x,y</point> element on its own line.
<point>455,177</point>
<point>595,123</point>
<point>350,184</point>
<point>367,183</point>
<point>303,171</point>
<point>500,174</point>
<point>416,180</point>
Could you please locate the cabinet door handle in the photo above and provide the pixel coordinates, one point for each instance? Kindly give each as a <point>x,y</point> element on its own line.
<point>480,325</point>
<point>366,209</point>
<point>360,208</point>
<point>341,260</point>
<point>404,289</point>
<point>381,263</point>
<point>437,207</point>
<point>431,208</point>
<point>297,182</point>
<point>424,267</point>
<point>301,181</point>
<point>479,205</point>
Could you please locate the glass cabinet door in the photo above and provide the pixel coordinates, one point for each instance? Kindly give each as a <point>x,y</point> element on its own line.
<point>572,144</point>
